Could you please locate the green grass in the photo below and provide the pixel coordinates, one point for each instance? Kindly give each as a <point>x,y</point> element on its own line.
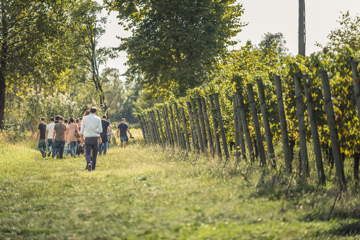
<point>151,193</point>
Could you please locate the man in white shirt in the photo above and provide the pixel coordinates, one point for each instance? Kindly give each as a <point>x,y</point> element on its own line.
<point>49,136</point>
<point>90,129</point>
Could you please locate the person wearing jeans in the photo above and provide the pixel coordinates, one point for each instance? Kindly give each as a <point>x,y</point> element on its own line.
<point>71,138</point>
<point>91,129</point>
<point>42,139</point>
<point>59,138</point>
<point>104,135</point>
<point>49,136</point>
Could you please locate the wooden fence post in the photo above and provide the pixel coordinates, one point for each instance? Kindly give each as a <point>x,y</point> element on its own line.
<point>245,125</point>
<point>208,128</point>
<point>340,176</point>
<point>314,132</point>
<point>268,135</point>
<point>356,79</point>
<point>161,127</point>
<point>178,123</point>
<point>202,123</point>
<point>152,124</point>
<point>240,127</point>
<point>185,129</point>
<point>149,129</point>
<point>221,125</point>
<point>176,140</point>
<point>167,125</point>
<point>142,127</point>
<point>302,128</point>
<point>217,141</point>
<point>283,124</point>
<point>192,126</point>
<point>156,127</point>
<point>236,130</point>
<point>197,125</point>
<point>255,117</point>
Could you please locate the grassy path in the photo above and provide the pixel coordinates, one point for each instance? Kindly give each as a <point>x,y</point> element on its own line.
<point>146,193</point>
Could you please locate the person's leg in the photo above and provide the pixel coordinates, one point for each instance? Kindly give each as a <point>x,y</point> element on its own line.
<point>40,146</point>
<point>61,148</point>
<point>105,146</point>
<point>44,147</point>
<point>87,151</point>
<point>124,144</point>
<point>53,148</point>
<point>72,146</point>
<point>95,147</point>
<point>100,148</point>
<point>48,145</point>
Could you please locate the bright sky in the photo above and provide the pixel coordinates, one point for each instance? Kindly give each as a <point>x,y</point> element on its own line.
<point>264,16</point>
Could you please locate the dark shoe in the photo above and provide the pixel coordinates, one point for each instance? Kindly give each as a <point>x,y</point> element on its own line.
<point>49,154</point>
<point>58,155</point>
<point>89,166</point>
<point>44,154</point>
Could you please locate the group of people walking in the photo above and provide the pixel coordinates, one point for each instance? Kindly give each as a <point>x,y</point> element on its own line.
<point>89,135</point>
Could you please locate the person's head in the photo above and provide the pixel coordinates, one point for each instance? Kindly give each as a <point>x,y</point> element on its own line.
<point>123,120</point>
<point>80,119</point>
<point>77,121</point>
<point>72,120</point>
<point>52,119</point>
<point>93,110</point>
<point>61,119</point>
<point>42,119</point>
<point>104,117</point>
<point>87,112</point>
<point>66,121</point>
<point>57,118</point>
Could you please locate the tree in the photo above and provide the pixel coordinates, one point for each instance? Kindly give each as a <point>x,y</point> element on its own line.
<point>176,43</point>
<point>273,42</point>
<point>347,35</point>
<point>90,27</point>
<point>30,50</point>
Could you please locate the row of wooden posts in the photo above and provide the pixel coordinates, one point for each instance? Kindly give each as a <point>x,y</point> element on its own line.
<point>205,138</point>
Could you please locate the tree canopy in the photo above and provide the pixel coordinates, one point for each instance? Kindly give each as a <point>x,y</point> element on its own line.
<point>31,50</point>
<point>176,43</point>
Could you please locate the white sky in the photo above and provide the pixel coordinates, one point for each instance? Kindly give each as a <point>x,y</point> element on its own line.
<point>264,16</point>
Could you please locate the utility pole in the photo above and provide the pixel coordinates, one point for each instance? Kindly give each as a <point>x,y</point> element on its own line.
<point>302,31</point>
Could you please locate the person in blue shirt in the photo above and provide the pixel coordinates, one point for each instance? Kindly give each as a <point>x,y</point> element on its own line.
<point>122,129</point>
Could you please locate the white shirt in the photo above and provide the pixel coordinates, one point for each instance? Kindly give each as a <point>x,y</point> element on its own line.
<point>50,129</point>
<point>91,126</point>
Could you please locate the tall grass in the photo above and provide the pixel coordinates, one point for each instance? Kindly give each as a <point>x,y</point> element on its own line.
<point>151,192</point>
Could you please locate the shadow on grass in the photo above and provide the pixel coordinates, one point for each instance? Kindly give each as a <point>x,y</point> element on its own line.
<point>282,192</point>
<point>349,229</point>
